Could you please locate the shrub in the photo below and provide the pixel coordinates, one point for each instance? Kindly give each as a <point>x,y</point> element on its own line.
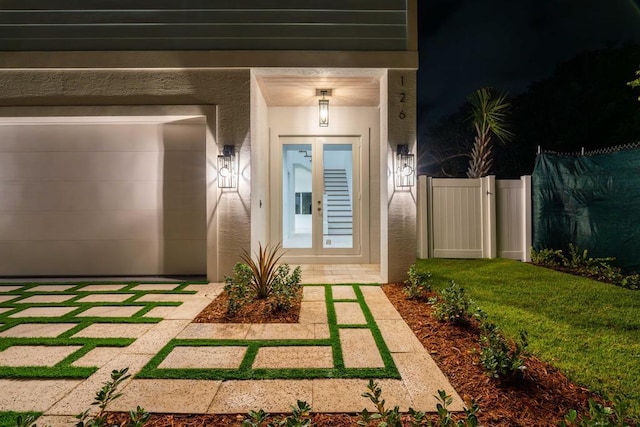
<point>418,284</point>
<point>285,287</point>
<point>300,417</point>
<point>615,415</point>
<point>384,417</point>
<point>263,271</point>
<point>580,263</point>
<point>262,279</point>
<point>548,257</point>
<point>107,394</point>
<point>453,305</point>
<point>497,357</point>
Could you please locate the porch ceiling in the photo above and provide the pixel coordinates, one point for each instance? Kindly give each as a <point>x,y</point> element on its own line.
<point>296,90</point>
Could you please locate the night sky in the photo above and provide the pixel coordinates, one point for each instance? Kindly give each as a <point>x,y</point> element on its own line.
<point>467,44</point>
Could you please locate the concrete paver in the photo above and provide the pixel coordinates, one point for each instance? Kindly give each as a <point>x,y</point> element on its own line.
<point>384,310</point>
<point>274,396</point>
<point>9,288</point>
<point>164,298</point>
<point>106,298</point>
<point>313,293</point>
<point>111,311</point>
<point>313,312</point>
<point>161,312</point>
<point>345,395</point>
<point>214,331</point>
<point>281,331</point>
<point>33,395</point>
<point>343,292</point>
<point>228,357</point>
<point>155,287</point>
<point>321,331</point>
<point>423,379</point>
<point>398,336</point>
<point>80,397</point>
<point>37,330</point>
<point>43,312</point>
<point>99,356</point>
<point>50,288</point>
<point>42,299</point>
<point>349,313</point>
<point>35,355</point>
<point>294,357</point>
<point>115,330</point>
<point>176,396</point>
<point>102,287</point>
<point>157,337</point>
<point>60,399</point>
<point>359,349</point>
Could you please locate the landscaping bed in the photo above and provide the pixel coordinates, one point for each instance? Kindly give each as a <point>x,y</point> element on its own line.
<point>540,398</point>
<point>256,311</point>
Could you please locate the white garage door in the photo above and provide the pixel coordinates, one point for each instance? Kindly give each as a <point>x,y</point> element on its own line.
<point>102,199</point>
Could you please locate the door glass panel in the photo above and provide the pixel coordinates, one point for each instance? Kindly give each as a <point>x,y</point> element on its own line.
<point>337,198</point>
<point>297,184</point>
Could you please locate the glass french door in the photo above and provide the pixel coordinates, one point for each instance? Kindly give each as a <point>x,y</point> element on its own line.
<point>319,206</point>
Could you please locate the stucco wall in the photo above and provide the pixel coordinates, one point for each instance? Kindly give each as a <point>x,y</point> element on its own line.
<point>228,90</point>
<point>260,214</point>
<point>401,220</point>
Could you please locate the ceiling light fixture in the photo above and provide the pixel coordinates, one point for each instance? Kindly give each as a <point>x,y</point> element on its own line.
<point>323,105</point>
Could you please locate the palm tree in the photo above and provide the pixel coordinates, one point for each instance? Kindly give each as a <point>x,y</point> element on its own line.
<point>636,82</point>
<point>488,115</point>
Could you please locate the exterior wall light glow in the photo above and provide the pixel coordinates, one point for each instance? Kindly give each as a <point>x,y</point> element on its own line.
<point>405,167</point>
<point>227,170</point>
<point>323,105</point>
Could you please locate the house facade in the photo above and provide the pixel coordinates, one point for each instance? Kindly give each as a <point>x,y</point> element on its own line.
<point>163,137</point>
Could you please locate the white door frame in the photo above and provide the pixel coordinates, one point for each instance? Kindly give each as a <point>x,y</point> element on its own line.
<point>360,251</point>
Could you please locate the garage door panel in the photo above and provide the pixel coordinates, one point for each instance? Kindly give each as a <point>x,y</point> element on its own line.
<point>97,195</point>
<point>183,165</point>
<point>183,137</point>
<point>83,137</point>
<point>75,258</point>
<point>184,195</point>
<point>72,196</point>
<point>180,225</point>
<point>102,199</point>
<point>81,225</point>
<point>81,166</point>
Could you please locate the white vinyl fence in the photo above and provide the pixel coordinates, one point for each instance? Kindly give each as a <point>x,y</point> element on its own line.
<point>474,218</point>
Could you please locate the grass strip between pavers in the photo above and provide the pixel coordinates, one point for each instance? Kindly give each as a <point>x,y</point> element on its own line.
<point>63,368</point>
<point>245,372</point>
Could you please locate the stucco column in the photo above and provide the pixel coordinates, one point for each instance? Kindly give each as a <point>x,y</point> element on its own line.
<point>401,238</point>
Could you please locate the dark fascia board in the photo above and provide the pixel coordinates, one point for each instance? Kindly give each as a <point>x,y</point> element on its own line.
<point>207,59</point>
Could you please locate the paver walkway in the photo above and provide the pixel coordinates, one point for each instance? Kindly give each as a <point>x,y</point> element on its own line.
<point>348,332</point>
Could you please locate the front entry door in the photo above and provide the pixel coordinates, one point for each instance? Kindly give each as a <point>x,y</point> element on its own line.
<point>319,189</point>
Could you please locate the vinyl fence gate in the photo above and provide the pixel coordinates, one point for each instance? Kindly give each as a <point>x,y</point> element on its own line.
<point>474,218</point>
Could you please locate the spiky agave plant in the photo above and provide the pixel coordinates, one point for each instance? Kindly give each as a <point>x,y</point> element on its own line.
<point>489,117</point>
<point>263,269</point>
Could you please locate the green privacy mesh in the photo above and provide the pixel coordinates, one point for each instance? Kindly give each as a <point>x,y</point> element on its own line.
<point>590,201</point>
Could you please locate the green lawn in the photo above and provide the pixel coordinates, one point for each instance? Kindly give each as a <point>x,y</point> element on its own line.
<point>589,330</point>
<point>9,419</point>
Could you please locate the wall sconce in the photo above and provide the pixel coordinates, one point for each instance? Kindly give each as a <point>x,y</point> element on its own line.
<point>405,166</point>
<point>227,171</point>
<point>323,105</point>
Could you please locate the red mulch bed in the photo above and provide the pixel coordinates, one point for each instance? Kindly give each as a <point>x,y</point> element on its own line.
<point>541,398</point>
<point>256,311</point>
